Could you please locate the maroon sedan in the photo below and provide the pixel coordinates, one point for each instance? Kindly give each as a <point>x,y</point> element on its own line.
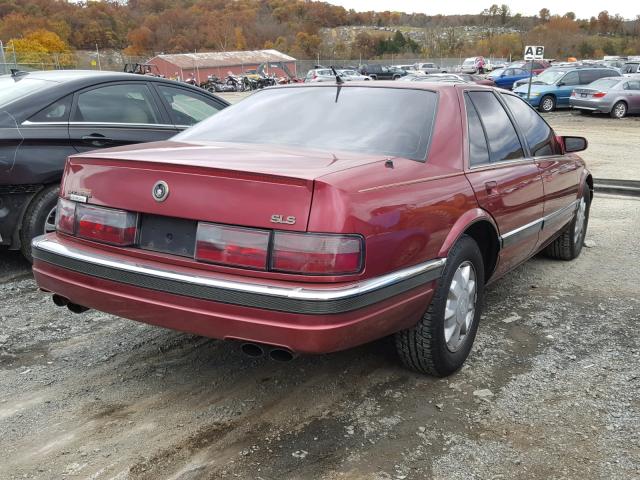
<point>316,218</point>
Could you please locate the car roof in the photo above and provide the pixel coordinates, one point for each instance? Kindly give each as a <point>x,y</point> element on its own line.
<point>431,86</point>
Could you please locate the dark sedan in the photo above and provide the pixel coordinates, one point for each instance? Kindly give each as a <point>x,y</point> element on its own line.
<point>47,116</point>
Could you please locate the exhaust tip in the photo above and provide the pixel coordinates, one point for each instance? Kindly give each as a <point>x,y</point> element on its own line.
<point>76,308</point>
<point>59,300</point>
<point>252,350</point>
<point>281,355</point>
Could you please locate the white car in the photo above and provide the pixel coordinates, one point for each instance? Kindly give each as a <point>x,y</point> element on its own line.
<point>429,68</point>
<point>352,75</point>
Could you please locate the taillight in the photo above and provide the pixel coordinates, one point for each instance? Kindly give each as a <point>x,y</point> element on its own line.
<point>316,253</point>
<point>237,246</point>
<point>66,216</point>
<point>107,225</point>
<point>599,95</point>
<point>573,93</point>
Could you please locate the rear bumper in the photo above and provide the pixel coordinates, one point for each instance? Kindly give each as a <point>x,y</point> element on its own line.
<point>311,318</point>
<point>590,105</point>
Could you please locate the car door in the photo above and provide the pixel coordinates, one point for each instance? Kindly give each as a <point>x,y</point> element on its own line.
<point>118,113</point>
<point>565,86</point>
<point>632,93</point>
<point>506,183</point>
<point>186,107</point>
<point>560,173</point>
<point>503,80</point>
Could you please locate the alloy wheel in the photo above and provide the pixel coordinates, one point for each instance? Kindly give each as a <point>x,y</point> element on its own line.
<point>50,221</point>
<point>547,104</point>
<point>620,110</point>
<point>460,308</point>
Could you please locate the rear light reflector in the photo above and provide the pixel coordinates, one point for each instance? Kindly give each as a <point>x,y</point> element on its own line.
<point>316,253</point>
<point>66,216</point>
<point>237,246</point>
<point>599,95</point>
<point>107,225</point>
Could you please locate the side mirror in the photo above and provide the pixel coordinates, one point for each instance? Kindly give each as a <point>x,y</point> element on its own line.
<point>574,144</point>
<point>561,84</point>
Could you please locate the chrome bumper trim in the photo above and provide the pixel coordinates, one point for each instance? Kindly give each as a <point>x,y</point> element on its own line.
<point>297,299</point>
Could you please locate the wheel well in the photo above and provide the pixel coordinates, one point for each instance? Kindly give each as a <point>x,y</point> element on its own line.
<point>589,181</point>
<point>486,237</point>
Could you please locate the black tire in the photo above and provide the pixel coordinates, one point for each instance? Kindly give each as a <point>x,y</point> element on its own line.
<point>569,243</point>
<point>35,218</point>
<point>619,110</point>
<point>547,104</point>
<point>373,77</point>
<point>423,347</point>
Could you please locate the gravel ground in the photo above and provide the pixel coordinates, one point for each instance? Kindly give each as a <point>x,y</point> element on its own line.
<point>551,389</point>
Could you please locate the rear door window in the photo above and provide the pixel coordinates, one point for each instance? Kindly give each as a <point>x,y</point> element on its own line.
<point>538,134</point>
<point>633,85</point>
<point>187,108</point>
<point>503,140</point>
<point>56,112</point>
<point>123,103</point>
<point>588,76</point>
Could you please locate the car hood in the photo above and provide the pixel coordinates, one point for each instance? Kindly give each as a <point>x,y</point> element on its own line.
<point>534,88</point>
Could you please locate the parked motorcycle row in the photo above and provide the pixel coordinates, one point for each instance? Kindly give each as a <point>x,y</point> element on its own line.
<point>241,83</point>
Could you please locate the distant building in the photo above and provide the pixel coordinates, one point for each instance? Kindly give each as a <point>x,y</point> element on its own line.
<point>201,65</point>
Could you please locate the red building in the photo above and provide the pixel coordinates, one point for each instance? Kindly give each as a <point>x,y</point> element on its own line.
<point>201,65</point>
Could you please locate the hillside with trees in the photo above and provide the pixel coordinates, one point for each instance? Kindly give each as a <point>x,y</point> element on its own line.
<point>303,29</point>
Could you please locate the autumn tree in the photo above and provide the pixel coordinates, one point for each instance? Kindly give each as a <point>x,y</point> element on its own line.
<point>42,47</point>
<point>544,15</point>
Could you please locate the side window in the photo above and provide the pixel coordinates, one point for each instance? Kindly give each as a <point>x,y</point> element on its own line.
<point>478,150</point>
<point>588,76</point>
<point>633,85</point>
<point>571,78</point>
<point>504,143</point>
<point>538,134</point>
<point>187,108</point>
<point>126,103</point>
<point>56,112</point>
<point>508,72</point>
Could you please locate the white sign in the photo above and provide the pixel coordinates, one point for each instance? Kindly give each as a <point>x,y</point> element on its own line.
<point>534,52</point>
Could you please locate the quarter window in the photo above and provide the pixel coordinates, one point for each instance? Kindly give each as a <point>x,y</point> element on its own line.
<point>501,134</point>
<point>126,103</point>
<point>538,134</point>
<point>632,85</point>
<point>187,108</point>
<point>478,150</point>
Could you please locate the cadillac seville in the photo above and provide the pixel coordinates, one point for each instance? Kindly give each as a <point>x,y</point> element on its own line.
<point>315,218</point>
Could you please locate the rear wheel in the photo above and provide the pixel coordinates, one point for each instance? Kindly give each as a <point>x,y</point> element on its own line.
<point>441,341</point>
<point>547,104</point>
<point>619,110</point>
<point>570,242</point>
<point>39,219</point>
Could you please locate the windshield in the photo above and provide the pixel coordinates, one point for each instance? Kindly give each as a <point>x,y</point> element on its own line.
<point>14,88</point>
<point>469,61</point>
<point>549,76</point>
<point>384,121</point>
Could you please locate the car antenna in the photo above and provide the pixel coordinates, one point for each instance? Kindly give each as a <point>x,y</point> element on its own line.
<point>339,79</point>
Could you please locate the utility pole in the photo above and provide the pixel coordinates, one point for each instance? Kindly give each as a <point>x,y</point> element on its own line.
<point>98,52</point>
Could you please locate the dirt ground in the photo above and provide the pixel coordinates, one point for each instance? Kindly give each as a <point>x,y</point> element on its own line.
<point>551,389</point>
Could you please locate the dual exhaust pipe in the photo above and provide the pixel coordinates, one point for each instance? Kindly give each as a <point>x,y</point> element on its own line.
<point>61,301</point>
<point>256,350</point>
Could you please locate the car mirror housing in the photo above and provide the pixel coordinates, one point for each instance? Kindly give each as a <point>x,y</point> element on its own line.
<point>574,144</point>
<point>561,84</point>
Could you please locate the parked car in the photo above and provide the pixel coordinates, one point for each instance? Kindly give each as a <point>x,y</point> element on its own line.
<point>381,72</point>
<point>328,235</point>
<point>505,78</point>
<point>470,65</point>
<point>429,68</point>
<point>350,75</point>
<point>552,88</point>
<point>631,67</point>
<point>459,77</point>
<point>319,75</point>
<point>616,96</point>
<point>539,66</point>
<point>47,116</point>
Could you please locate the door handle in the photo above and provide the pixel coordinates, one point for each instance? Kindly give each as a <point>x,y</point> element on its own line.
<point>97,140</point>
<point>491,187</point>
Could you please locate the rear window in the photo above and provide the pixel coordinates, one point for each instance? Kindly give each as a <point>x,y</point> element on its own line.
<point>12,89</point>
<point>384,121</point>
<point>604,83</point>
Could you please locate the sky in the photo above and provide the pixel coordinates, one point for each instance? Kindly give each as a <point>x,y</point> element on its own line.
<point>582,8</point>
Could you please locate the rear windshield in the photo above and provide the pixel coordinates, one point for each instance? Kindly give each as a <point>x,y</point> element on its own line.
<point>604,83</point>
<point>385,121</point>
<point>14,88</point>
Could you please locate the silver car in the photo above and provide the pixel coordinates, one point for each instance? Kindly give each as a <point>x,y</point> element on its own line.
<point>326,75</point>
<point>352,75</point>
<point>616,96</point>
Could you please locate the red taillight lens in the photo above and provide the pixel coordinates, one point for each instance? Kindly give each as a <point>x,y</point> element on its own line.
<point>599,95</point>
<point>316,253</point>
<point>107,225</point>
<point>237,246</point>
<point>66,216</point>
